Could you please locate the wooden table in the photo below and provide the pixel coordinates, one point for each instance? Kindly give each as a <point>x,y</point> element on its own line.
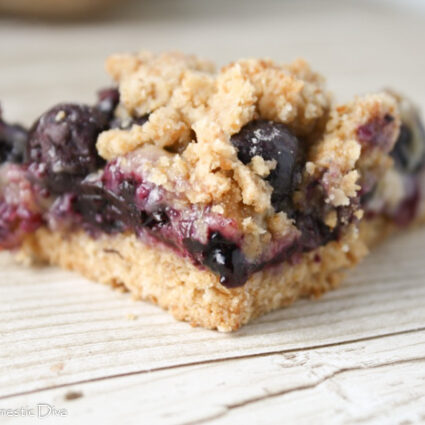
<point>355,356</point>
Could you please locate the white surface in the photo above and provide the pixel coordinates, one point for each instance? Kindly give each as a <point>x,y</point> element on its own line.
<point>355,356</point>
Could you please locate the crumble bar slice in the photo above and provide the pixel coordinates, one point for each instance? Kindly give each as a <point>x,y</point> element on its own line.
<point>217,195</point>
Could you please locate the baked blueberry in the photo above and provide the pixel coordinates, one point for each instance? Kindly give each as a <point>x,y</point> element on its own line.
<point>62,146</point>
<point>115,208</point>
<point>157,219</point>
<point>222,256</point>
<point>273,141</point>
<point>108,100</point>
<point>103,209</point>
<point>13,139</point>
<point>313,231</point>
<point>125,124</point>
<point>409,150</point>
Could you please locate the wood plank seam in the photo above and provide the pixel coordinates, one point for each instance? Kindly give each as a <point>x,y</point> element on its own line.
<point>220,360</point>
<point>322,380</point>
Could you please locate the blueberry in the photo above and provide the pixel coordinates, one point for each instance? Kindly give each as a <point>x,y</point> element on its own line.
<point>126,124</point>
<point>223,257</point>
<point>108,100</point>
<point>314,232</point>
<point>13,139</point>
<point>409,150</point>
<point>116,209</point>
<point>273,141</point>
<point>156,219</point>
<point>62,146</point>
<point>400,153</point>
<point>105,209</point>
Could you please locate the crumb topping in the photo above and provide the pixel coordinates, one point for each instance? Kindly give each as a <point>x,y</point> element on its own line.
<point>193,111</point>
<point>341,155</point>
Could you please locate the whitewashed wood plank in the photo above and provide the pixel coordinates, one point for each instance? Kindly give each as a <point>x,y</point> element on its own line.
<point>50,317</point>
<point>378,381</point>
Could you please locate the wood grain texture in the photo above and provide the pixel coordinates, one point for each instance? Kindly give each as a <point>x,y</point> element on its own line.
<point>352,383</point>
<point>354,356</point>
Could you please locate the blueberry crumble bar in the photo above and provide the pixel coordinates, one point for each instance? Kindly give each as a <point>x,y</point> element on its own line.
<point>217,195</point>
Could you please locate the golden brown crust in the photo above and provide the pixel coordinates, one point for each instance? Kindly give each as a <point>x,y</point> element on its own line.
<point>191,294</point>
<point>159,275</point>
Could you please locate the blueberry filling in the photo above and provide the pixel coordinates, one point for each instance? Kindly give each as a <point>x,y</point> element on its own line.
<point>273,141</point>
<point>61,153</point>
<point>61,157</point>
<point>119,203</point>
<point>16,221</point>
<point>376,132</point>
<point>115,209</point>
<point>103,209</point>
<point>314,232</point>
<point>112,208</point>
<point>225,257</point>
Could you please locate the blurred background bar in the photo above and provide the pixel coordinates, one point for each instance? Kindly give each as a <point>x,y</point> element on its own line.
<point>54,50</point>
<point>53,9</point>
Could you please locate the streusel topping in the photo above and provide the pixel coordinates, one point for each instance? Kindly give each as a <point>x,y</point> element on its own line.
<point>192,112</point>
